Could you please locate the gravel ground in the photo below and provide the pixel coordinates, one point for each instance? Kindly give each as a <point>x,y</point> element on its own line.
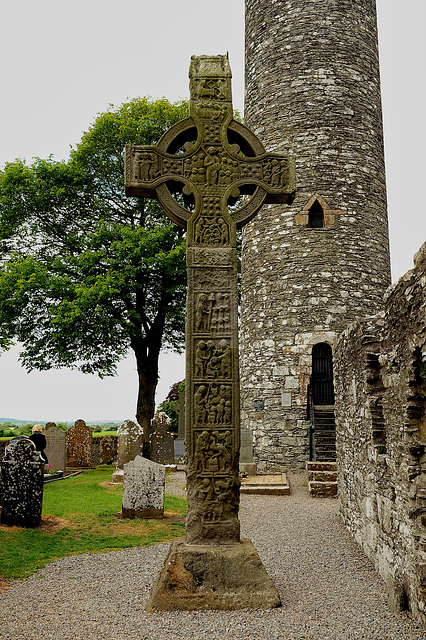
<point>329,590</point>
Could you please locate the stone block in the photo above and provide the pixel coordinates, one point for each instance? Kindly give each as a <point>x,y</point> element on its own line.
<point>322,476</point>
<point>270,484</point>
<point>118,476</point>
<point>250,468</point>
<point>322,489</point>
<point>321,466</point>
<point>213,576</point>
<point>143,489</point>
<point>395,595</point>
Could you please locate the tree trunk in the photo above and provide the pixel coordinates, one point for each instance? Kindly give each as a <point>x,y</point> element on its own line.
<point>147,366</point>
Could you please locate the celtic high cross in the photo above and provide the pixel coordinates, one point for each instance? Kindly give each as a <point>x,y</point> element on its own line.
<point>211,175</point>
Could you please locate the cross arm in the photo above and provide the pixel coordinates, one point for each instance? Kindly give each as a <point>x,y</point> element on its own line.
<point>148,167</point>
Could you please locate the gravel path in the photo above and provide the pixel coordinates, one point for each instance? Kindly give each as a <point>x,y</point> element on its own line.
<point>328,588</point>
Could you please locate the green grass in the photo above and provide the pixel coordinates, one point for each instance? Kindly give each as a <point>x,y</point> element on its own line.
<point>98,434</point>
<point>86,512</point>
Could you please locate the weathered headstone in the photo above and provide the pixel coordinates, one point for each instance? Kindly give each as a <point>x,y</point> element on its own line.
<point>179,444</point>
<point>21,484</point>
<point>130,444</point>
<point>214,160</point>
<point>56,447</point>
<point>247,463</point>
<point>79,445</point>
<point>108,450</point>
<point>162,441</point>
<point>162,446</point>
<point>143,489</point>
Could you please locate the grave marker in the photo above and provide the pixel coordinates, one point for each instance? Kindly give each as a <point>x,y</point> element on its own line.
<point>21,484</point>
<point>129,445</point>
<point>79,445</point>
<point>108,450</point>
<point>211,160</point>
<point>143,489</point>
<point>162,441</point>
<point>56,447</point>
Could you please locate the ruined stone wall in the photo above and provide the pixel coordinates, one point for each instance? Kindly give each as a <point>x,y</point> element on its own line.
<point>312,90</point>
<point>380,382</point>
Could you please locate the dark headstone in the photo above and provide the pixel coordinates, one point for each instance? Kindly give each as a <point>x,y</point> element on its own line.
<point>79,445</point>
<point>21,484</point>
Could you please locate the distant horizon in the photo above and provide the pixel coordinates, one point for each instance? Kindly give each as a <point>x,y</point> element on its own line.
<point>24,420</point>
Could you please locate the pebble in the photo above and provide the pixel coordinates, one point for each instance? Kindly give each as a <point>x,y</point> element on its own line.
<point>329,589</point>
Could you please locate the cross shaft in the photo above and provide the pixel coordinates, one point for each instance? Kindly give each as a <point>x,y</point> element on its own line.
<point>211,175</point>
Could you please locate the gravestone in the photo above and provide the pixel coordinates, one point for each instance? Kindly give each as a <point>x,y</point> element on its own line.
<point>21,484</point>
<point>56,447</point>
<point>179,444</point>
<point>224,176</point>
<point>161,441</point>
<point>79,445</point>
<point>108,450</point>
<point>162,446</point>
<point>129,445</point>
<point>143,489</point>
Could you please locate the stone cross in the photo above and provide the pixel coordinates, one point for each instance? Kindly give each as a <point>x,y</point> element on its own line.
<point>211,175</point>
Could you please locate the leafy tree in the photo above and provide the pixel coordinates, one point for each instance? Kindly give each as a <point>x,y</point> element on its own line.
<point>170,405</point>
<point>87,273</point>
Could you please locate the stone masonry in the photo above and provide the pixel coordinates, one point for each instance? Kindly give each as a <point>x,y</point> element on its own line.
<point>312,90</point>
<point>380,382</point>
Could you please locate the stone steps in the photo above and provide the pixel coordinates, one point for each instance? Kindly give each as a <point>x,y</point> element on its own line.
<point>325,434</point>
<point>322,479</point>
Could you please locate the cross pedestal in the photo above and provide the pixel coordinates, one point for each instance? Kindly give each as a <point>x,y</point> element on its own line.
<point>211,175</point>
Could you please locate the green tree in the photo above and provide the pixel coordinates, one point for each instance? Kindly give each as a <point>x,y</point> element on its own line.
<point>87,273</point>
<point>171,405</point>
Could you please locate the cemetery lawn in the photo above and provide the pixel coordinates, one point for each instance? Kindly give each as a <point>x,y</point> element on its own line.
<point>79,516</point>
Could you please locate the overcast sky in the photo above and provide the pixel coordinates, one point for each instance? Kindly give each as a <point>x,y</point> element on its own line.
<point>64,62</point>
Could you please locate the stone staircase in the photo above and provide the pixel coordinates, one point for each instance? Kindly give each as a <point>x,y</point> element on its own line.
<point>325,433</point>
<point>322,479</point>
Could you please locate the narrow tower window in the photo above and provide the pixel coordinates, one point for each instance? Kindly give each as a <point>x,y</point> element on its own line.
<point>316,216</point>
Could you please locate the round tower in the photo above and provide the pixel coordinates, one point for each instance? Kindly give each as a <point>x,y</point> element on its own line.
<point>309,269</point>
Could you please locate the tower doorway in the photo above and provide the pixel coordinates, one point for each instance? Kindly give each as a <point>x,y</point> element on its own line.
<point>322,374</point>
<point>322,430</point>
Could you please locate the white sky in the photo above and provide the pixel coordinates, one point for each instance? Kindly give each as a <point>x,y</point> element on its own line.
<point>64,62</point>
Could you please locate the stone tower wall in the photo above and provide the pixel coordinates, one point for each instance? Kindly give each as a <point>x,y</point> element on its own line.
<point>313,90</point>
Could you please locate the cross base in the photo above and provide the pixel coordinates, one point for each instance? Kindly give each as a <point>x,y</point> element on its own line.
<point>213,576</point>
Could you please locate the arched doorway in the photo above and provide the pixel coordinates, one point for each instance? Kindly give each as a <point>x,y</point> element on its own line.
<point>322,374</point>
<point>322,438</point>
